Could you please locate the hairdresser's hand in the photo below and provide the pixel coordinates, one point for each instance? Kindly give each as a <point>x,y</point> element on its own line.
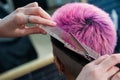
<point>116,76</point>
<point>102,68</point>
<point>14,25</point>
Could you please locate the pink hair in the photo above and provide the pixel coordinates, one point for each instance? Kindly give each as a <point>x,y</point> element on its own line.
<point>91,25</point>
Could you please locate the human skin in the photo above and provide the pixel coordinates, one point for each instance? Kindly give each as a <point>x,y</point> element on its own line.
<point>116,76</point>
<point>102,68</point>
<point>14,25</point>
<point>93,27</point>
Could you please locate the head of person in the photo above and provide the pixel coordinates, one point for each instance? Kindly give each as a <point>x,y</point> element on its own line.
<point>91,26</point>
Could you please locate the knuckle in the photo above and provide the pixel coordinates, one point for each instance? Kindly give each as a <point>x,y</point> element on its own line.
<point>35,4</point>
<point>37,9</point>
<point>18,18</point>
<point>40,8</point>
<point>19,9</point>
<point>115,57</point>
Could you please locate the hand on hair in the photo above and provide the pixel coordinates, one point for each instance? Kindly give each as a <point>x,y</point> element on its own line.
<point>14,25</point>
<point>102,68</point>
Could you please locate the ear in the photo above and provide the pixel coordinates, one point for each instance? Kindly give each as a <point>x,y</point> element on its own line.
<point>59,65</point>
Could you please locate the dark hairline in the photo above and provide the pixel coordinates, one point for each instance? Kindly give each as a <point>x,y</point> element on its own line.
<point>74,56</point>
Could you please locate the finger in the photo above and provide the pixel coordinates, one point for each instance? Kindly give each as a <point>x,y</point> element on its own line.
<point>116,76</point>
<point>33,30</point>
<point>99,60</point>
<point>37,11</point>
<point>34,4</point>
<point>112,71</point>
<point>110,61</point>
<point>42,21</point>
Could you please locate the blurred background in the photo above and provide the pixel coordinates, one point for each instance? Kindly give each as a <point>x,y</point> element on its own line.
<point>18,56</point>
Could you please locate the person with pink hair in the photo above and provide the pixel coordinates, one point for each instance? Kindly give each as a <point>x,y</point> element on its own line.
<point>88,23</point>
<point>93,27</point>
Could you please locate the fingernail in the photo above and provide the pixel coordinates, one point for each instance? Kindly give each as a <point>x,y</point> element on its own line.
<point>53,23</point>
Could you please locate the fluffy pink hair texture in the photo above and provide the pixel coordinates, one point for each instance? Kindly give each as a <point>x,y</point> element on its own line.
<point>89,24</point>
